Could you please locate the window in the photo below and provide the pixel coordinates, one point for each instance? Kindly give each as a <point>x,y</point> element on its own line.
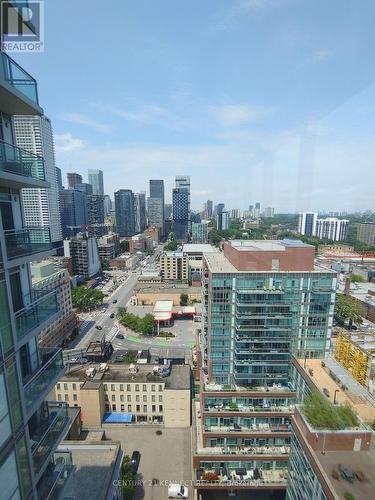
<point>137,387</point>
<point>113,407</point>
<point>74,387</point>
<point>153,388</point>
<point>153,398</point>
<point>122,397</point>
<point>65,387</point>
<point>74,397</point>
<point>160,407</point>
<point>153,408</point>
<point>113,388</point>
<point>129,408</point>
<point>144,388</point>
<point>160,399</point>
<point>160,387</point>
<point>105,387</point>
<point>145,408</point>
<point>128,398</point>
<point>59,397</point>
<point>66,397</point>
<point>137,398</point>
<point>106,407</point>
<point>122,407</point>
<point>122,387</point>
<point>105,397</point>
<point>128,387</point>
<point>145,399</point>
<point>138,407</point>
<point>113,397</point>
<point>58,386</point>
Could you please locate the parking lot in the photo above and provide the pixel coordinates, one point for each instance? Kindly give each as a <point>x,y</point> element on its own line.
<point>163,458</point>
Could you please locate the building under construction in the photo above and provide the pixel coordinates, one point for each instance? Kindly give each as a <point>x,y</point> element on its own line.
<point>355,351</point>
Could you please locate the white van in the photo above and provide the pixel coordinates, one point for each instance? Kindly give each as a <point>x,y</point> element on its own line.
<point>177,491</point>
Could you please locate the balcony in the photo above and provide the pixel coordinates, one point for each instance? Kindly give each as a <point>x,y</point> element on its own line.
<point>241,477</point>
<point>40,383</point>
<point>269,450</point>
<point>247,429</point>
<point>42,307</point>
<point>28,168</point>
<point>56,476</point>
<point>18,89</point>
<point>27,242</point>
<point>48,434</point>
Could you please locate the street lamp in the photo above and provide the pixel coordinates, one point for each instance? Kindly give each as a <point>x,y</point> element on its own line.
<point>334,397</point>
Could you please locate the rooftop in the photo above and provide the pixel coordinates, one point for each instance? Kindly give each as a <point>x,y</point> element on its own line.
<point>177,255</point>
<point>179,377</point>
<point>267,245</point>
<point>322,379</point>
<point>95,463</point>
<point>199,248</point>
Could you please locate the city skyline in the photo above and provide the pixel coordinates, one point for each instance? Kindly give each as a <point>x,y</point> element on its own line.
<point>201,98</point>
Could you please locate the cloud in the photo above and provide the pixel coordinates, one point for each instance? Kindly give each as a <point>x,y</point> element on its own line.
<point>66,143</point>
<point>323,55</point>
<point>234,115</point>
<point>80,119</point>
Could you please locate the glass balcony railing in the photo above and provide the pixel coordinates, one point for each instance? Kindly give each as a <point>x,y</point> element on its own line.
<point>51,366</point>
<point>56,476</point>
<point>18,78</point>
<point>47,437</point>
<point>27,241</point>
<point>42,306</point>
<point>18,161</point>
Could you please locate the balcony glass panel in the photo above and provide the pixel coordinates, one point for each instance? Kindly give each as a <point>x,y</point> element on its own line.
<point>56,475</point>
<point>51,366</point>
<point>35,313</point>
<point>17,161</point>
<point>47,435</point>
<point>27,241</point>
<point>16,76</point>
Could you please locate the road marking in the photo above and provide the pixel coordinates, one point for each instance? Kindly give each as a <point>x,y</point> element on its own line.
<point>109,336</point>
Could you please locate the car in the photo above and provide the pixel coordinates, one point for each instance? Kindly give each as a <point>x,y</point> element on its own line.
<point>103,309</point>
<point>177,491</point>
<point>115,301</point>
<point>112,315</point>
<point>120,336</point>
<point>98,327</point>
<point>134,462</point>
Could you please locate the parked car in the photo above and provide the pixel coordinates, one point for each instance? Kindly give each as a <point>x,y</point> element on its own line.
<point>120,336</point>
<point>177,491</point>
<point>112,315</point>
<point>115,301</point>
<point>98,327</point>
<point>134,462</point>
<point>103,309</point>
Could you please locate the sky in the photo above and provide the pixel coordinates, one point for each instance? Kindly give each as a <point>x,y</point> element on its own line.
<point>257,100</point>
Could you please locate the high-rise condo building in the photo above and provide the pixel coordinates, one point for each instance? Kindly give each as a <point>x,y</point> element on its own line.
<point>40,206</point>
<point>257,210</point>
<point>180,213</point>
<point>140,212</point>
<point>225,220</point>
<point>83,251</point>
<point>124,207</point>
<point>219,216</point>
<point>332,229</point>
<point>307,223</point>
<point>366,233</point>
<point>107,204</point>
<point>73,179</point>
<point>31,426</point>
<point>73,211</point>
<point>263,301</point>
<point>95,178</point>
<point>60,186</point>
<point>199,232</point>
<point>85,187</point>
<point>95,215</point>
<point>269,212</point>
<point>183,182</point>
<point>209,208</point>
<point>155,205</point>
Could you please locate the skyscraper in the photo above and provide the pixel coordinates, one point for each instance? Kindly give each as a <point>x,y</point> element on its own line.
<point>85,187</point>
<point>307,223</point>
<point>60,186</point>
<point>257,210</point>
<point>124,207</point>
<point>95,178</point>
<point>95,214</point>
<point>180,213</point>
<point>73,211</point>
<point>140,212</point>
<point>73,179</point>
<point>107,204</point>
<point>209,208</point>
<point>183,182</point>
<point>155,205</point>
<point>40,206</point>
<point>219,216</point>
<point>31,426</point>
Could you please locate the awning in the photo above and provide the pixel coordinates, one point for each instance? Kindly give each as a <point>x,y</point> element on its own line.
<point>117,418</point>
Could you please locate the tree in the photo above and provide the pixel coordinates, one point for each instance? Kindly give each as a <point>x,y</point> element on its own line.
<point>357,278</point>
<point>171,246</point>
<point>124,246</point>
<point>127,481</point>
<point>85,299</point>
<point>349,309</point>
<point>184,299</point>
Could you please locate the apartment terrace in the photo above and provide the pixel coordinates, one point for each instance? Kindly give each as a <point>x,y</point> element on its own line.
<point>235,389</point>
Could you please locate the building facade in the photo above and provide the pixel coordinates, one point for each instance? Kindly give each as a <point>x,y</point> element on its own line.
<point>73,211</point>
<point>139,212</point>
<point>307,223</point>
<point>156,205</point>
<point>40,206</point>
<point>31,427</point>
<point>83,250</point>
<point>95,215</point>
<point>95,178</point>
<point>46,277</point>
<point>262,302</point>
<point>73,179</point>
<point>124,207</point>
<point>332,229</point>
<point>180,213</point>
<point>366,233</point>
<point>199,232</point>
<point>174,266</point>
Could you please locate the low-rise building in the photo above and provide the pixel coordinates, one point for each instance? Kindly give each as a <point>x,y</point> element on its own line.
<point>108,247</point>
<point>148,294</point>
<point>174,266</point>
<point>126,393</point>
<point>125,261</point>
<point>46,277</point>
<point>84,253</point>
<point>137,243</point>
<point>150,277</point>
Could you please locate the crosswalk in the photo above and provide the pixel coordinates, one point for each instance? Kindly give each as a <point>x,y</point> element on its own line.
<point>109,336</point>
